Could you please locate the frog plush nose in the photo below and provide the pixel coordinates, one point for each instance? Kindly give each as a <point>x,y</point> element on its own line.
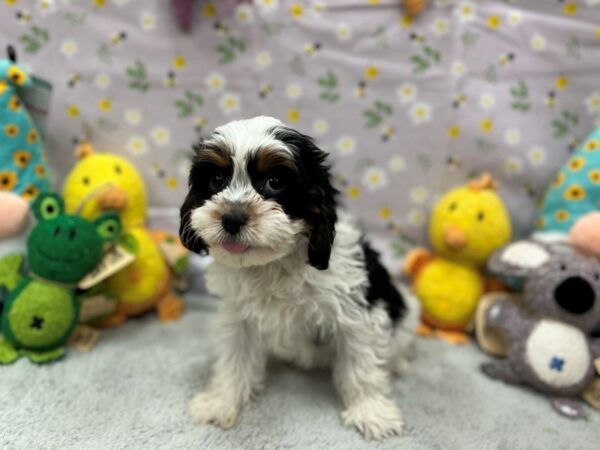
<point>575,295</point>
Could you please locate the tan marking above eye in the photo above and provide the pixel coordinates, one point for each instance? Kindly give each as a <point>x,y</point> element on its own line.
<point>267,158</point>
<point>215,155</point>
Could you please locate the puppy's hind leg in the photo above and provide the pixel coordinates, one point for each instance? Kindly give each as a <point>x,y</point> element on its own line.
<point>405,332</point>
<point>237,375</point>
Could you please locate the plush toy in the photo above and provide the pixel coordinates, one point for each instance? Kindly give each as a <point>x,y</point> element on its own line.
<point>575,191</point>
<point>14,220</point>
<point>467,225</point>
<point>40,313</point>
<point>100,182</point>
<point>547,340</point>
<point>23,167</point>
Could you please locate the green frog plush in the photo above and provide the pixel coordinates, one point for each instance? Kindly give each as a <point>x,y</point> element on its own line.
<point>41,311</point>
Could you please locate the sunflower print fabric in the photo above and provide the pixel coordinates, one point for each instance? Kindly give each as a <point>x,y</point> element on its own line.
<point>22,161</point>
<point>575,191</point>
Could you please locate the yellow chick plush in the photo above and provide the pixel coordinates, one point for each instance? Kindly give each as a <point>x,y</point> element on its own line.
<point>102,181</point>
<point>467,225</point>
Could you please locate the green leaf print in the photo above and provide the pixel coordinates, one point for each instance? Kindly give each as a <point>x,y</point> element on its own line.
<point>490,74</point>
<point>138,76</point>
<point>272,29</point>
<point>75,18</point>
<point>229,51</point>
<point>375,115</point>
<point>565,124</point>
<point>424,162</point>
<point>104,54</point>
<point>423,62</point>
<point>469,39</point>
<point>572,48</point>
<point>297,65</point>
<point>485,146</point>
<point>329,84</point>
<point>34,39</point>
<point>520,95</point>
<point>187,106</point>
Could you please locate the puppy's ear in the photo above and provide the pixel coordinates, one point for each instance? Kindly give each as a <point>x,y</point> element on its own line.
<point>189,238</point>
<point>320,212</point>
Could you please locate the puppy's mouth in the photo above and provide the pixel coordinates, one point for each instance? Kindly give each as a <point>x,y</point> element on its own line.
<point>235,248</point>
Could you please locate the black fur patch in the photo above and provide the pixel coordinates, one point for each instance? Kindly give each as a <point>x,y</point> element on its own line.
<point>207,163</point>
<point>312,196</point>
<point>381,289</point>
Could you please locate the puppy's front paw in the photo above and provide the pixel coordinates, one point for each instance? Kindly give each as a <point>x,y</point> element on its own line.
<point>214,408</point>
<point>375,417</point>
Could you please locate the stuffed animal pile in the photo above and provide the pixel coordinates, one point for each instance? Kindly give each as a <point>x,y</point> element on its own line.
<point>467,225</point>
<point>41,309</point>
<point>547,337</point>
<point>102,182</point>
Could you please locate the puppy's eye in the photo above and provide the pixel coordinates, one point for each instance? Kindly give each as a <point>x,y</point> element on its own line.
<point>274,185</point>
<point>216,182</point>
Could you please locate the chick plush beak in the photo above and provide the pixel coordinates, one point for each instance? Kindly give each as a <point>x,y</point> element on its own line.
<point>113,198</point>
<point>455,238</point>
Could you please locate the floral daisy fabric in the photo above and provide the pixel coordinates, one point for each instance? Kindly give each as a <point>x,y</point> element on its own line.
<point>406,108</point>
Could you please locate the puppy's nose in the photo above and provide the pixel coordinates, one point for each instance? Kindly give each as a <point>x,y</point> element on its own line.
<point>575,295</point>
<point>234,220</point>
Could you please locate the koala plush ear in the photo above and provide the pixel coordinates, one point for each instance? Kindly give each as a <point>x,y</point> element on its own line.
<point>108,226</point>
<point>47,206</point>
<point>519,258</point>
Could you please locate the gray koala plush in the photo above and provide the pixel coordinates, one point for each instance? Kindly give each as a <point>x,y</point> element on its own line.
<point>548,341</point>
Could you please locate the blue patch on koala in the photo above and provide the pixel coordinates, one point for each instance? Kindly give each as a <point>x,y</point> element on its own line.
<point>557,364</point>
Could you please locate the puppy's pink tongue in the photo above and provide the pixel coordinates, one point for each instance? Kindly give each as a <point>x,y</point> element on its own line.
<point>234,247</point>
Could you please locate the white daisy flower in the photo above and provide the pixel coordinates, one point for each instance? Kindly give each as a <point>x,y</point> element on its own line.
<point>215,82</point>
<point>318,6</point>
<point>46,6</point>
<point>230,103</point>
<point>374,178</point>
<point>102,81</point>
<point>458,69</point>
<point>263,60</point>
<point>147,21</point>
<point>592,102</point>
<point>420,113</point>
<point>397,164</point>
<point>514,18</point>
<point>346,145</point>
<point>243,14</point>
<point>418,195</point>
<point>293,91</point>
<point>133,116</point>
<point>344,32</point>
<point>512,137</point>
<point>320,127</point>
<point>407,92</point>
<point>137,145</point>
<point>160,135</point>
<point>69,48</point>
<point>487,101</point>
<point>267,6</point>
<point>513,165</point>
<point>537,42</point>
<point>537,155</point>
<point>465,11</point>
<point>440,27</point>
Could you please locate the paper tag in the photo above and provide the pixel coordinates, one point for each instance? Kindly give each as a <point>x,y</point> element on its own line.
<point>84,338</point>
<point>37,101</point>
<point>592,394</point>
<point>96,307</point>
<point>114,260</point>
<point>175,254</point>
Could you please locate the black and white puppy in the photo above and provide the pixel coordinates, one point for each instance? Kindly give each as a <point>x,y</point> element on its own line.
<point>296,278</point>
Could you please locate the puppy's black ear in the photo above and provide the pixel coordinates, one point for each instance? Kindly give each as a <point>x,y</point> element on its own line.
<point>320,211</point>
<point>189,238</point>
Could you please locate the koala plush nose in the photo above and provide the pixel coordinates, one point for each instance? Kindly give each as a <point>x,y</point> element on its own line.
<point>575,295</point>
<point>233,221</point>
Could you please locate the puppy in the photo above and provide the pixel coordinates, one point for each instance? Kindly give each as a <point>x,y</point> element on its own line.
<point>297,280</point>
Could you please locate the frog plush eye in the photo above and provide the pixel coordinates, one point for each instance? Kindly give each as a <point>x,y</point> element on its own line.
<point>48,206</point>
<point>108,227</point>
